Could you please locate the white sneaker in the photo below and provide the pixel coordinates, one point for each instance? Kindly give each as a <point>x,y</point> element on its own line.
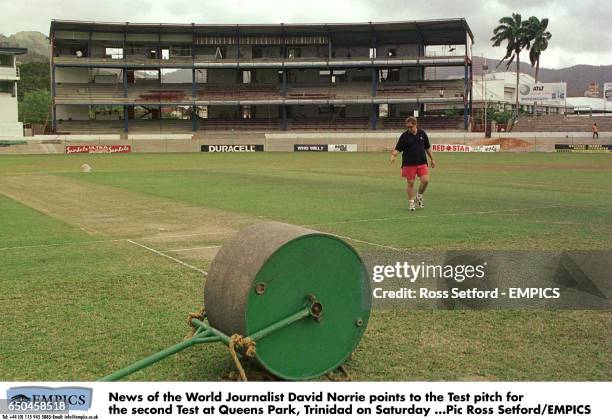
<point>411,206</point>
<point>420,201</point>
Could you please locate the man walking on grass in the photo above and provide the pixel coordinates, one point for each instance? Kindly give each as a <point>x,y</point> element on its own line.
<point>414,145</point>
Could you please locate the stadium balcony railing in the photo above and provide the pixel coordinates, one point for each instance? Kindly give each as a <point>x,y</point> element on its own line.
<point>116,126</point>
<point>270,62</point>
<point>426,123</point>
<point>299,123</point>
<point>332,122</point>
<point>182,94</point>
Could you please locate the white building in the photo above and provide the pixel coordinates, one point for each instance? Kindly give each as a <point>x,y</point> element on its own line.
<point>500,87</point>
<point>583,104</point>
<point>9,75</point>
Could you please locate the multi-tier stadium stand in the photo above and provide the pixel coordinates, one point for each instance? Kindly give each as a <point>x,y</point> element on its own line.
<point>299,77</point>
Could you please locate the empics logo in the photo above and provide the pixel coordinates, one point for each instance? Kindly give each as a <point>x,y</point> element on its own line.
<point>76,398</point>
<point>20,398</point>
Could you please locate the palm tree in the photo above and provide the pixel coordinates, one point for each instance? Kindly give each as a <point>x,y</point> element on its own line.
<point>513,31</point>
<point>539,36</point>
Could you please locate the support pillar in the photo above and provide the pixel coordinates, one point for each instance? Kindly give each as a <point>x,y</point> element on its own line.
<point>194,109</point>
<point>283,43</point>
<point>421,53</point>
<point>373,116</point>
<point>159,49</point>
<point>238,45</point>
<point>53,119</point>
<point>465,101</point>
<point>124,45</point>
<point>375,107</point>
<point>194,90</point>
<point>194,118</point>
<point>125,82</point>
<point>53,108</point>
<point>283,106</point>
<point>284,117</point>
<point>471,109</point>
<point>126,112</point>
<point>374,80</point>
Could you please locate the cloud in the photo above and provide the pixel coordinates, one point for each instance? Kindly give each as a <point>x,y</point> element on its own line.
<point>581,30</point>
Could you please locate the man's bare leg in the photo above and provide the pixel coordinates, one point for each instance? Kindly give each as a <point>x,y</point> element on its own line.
<point>411,193</point>
<point>422,187</point>
<point>424,182</point>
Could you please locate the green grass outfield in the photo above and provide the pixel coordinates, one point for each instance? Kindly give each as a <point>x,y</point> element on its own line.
<point>79,301</point>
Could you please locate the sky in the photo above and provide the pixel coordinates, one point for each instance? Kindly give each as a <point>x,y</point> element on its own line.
<point>581,30</point>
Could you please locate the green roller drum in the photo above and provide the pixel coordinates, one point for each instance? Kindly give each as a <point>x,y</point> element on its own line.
<point>267,272</point>
<point>296,300</point>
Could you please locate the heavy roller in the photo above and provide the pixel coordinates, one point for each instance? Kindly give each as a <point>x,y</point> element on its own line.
<point>296,300</point>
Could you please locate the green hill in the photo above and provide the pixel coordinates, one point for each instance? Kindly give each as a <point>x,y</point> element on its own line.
<point>36,43</point>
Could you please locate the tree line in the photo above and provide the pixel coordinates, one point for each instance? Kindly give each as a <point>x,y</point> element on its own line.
<point>33,93</point>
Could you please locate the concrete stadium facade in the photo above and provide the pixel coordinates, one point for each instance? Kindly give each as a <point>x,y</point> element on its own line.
<point>9,76</point>
<point>147,78</point>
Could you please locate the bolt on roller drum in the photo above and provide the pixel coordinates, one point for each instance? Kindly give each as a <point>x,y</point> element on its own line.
<point>267,272</point>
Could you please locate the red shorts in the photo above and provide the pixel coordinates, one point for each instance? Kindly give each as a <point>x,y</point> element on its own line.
<point>411,172</point>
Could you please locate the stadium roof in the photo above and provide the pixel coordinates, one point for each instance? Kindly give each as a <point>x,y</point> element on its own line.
<point>583,102</point>
<point>13,51</point>
<point>432,32</point>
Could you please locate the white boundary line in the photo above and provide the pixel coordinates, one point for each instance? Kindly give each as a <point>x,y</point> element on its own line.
<point>8,248</point>
<point>169,257</point>
<point>192,249</point>
<point>124,240</point>
<point>367,243</point>
<point>179,249</point>
<point>188,235</point>
<point>475,213</point>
